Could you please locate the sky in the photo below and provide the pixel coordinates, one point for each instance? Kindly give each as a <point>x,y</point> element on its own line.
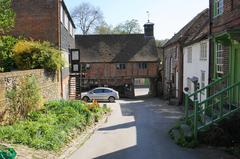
<point>169,16</point>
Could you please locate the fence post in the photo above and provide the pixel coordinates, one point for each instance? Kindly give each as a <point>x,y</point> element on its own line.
<point>186,105</point>
<point>195,119</point>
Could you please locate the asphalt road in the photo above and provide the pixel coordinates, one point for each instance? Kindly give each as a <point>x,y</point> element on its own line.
<point>138,129</point>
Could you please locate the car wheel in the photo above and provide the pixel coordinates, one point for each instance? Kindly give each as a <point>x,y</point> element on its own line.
<point>111,99</point>
<point>85,99</point>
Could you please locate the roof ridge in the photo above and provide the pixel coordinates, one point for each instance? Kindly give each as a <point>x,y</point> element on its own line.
<point>186,28</point>
<point>109,34</point>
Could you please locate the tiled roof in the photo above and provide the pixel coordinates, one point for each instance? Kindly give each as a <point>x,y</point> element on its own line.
<point>116,48</point>
<point>196,27</point>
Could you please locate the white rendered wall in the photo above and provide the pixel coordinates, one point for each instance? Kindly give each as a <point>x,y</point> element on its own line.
<point>197,65</point>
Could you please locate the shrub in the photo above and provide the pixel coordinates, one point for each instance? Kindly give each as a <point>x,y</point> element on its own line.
<point>24,98</point>
<point>6,55</point>
<point>35,55</point>
<point>7,16</point>
<point>51,127</point>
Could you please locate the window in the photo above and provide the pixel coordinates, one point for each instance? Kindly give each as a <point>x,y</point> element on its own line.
<point>61,14</point>
<point>203,51</point>
<point>107,91</point>
<point>203,80</point>
<point>75,55</point>
<point>121,66</point>
<point>98,91</point>
<point>75,68</point>
<point>66,21</point>
<point>189,55</point>
<point>219,58</point>
<point>218,7</point>
<point>71,29</point>
<point>142,66</point>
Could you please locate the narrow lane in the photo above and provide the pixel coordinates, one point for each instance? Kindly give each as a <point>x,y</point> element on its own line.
<point>138,129</point>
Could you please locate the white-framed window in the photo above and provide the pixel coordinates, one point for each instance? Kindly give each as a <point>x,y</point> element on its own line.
<point>203,51</point>
<point>189,55</point>
<point>219,51</point>
<point>61,14</point>
<point>66,21</point>
<point>219,6</point>
<point>75,55</point>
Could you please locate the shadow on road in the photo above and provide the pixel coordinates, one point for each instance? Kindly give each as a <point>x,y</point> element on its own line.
<point>153,119</point>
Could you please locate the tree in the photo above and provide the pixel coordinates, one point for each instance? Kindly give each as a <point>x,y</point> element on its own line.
<point>87,17</point>
<point>128,27</point>
<point>104,28</point>
<point>161,43</point>
<point>7,16</point>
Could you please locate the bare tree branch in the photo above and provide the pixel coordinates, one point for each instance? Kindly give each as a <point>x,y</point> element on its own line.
<point>87,17</point>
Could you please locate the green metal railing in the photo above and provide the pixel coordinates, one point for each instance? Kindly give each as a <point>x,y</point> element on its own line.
<point>215,108</point>
<point>204,91</point>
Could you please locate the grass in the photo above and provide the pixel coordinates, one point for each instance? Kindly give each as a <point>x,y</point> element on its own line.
<point>51,127</point>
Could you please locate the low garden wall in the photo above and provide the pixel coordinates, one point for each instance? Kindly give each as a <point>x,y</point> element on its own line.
<point>48,82</point>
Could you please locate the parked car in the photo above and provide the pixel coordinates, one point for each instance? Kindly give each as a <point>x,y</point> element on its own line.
<point>101,94</point>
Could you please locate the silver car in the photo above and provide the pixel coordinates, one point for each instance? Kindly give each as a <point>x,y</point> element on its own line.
<point>101,94</point>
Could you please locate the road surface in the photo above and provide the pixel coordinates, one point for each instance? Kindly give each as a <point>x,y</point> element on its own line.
<point>138,129</point>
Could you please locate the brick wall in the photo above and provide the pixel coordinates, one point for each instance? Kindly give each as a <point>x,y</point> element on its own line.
<point>49,84</point>
<point>37,19</point>
<point>230,17</point>
<point>170,52</point>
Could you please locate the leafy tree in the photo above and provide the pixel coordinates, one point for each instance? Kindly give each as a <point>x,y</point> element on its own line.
<point>87,17</point>
<point>128,27</point>
<point>104,28</point>
<point>7,16</point>
<point>160,43</point>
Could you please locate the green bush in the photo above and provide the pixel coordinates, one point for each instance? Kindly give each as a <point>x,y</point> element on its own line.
<point>51,127</point>
<point>7,16</point>
<point>36,55</point>
<point>24,98</point>
<point>6,55</point>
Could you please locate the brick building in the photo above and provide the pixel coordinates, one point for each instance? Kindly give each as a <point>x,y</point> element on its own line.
<point>116,60</point>
<point>47,20</point>
<point>173,58</point>
<point>225,45</point>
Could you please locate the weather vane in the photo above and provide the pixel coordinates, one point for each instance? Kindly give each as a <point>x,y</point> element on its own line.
<point>148,14</point>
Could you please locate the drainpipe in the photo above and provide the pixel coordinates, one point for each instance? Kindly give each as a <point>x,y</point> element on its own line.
<point>210,42</point>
